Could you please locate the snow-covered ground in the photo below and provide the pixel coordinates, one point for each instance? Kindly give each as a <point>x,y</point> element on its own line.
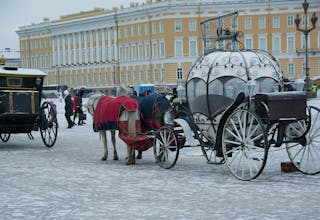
<point>69,181</point>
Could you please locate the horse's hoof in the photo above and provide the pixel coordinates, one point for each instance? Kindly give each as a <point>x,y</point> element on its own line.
<point>115,158</point>
<point>139,156</point>
<point>103,158</point>
<point>131,163</point>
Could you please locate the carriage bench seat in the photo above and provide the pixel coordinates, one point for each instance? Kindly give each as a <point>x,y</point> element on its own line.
<point>284,105</point>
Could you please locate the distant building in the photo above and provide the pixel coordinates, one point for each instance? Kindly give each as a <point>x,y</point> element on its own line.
<point>9,58</point>
<point>156,41</point>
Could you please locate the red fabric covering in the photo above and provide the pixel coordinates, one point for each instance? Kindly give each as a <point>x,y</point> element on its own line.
<point>106,115</point>
<point>136,141</point>
<point>74,104</point>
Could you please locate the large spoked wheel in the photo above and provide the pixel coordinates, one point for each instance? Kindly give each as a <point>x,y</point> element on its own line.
<point>5,137</point>
<point>48,124</point>
<point>166,147</point>
<point>305,153</point>
<point>244,144</point>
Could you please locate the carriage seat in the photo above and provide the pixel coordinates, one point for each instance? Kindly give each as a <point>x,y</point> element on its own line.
<point>284,105</point>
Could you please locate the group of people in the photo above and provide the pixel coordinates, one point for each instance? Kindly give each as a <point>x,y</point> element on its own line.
<point>73,107</point>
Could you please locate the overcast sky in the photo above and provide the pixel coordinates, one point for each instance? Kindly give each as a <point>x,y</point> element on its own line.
<point>17,13</point>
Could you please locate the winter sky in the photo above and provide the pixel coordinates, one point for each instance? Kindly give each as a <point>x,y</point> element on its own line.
<point>17,13</point>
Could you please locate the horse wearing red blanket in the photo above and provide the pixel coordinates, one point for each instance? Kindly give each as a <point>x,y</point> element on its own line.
<point>108,113</point>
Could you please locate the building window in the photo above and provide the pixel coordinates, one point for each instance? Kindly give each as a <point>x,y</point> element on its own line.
<point>291,69</point>
<point>248,42</point>
<point>133,31</point>
<point>148,75</point>
<point>155,75</point>
<point>192,26</point>
<point>248,23</point>
<point>126,32</point>
<point>291,43</point>
<point>128,77</point>
<point>193,49</point>
<point>146,30</point>
<point>162,49</point>
<point>276,22</point>
<point>139,29</point>
<point>127,54</point>
<point>178,48</point>
<point>161,27</point>
<point>163,75</point>
<point>120,53</point>
<point>262,22</point>
<point>134,52</point>
<point>147,51</point>
<point>141,76</point>
<point>140,52</point>
<point>134,77</point>
<point>179,73</point>
<point>290,21</point>
<point>154,50</point>
<point>178,26</point>
<point>263,43</point>
<point>154,28</point>
<point>276,44</point>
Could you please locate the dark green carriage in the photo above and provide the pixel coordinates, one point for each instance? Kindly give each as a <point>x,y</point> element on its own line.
<point>21,109</point>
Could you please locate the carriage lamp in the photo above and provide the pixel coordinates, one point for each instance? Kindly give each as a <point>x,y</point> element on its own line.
<point>251,85</point>
<point>38,83</point>
<point>306,32</point>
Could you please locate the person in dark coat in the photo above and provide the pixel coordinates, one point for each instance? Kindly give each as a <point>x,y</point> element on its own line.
<point>79,107</point>
<point>68,108</point>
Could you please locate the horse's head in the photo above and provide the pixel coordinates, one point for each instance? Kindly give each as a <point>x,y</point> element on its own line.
<point>122,90</point>
<point>92,103</point>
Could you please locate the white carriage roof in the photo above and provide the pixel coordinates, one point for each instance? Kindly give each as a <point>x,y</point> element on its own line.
<point>4,70</point>
<point>241,64</point>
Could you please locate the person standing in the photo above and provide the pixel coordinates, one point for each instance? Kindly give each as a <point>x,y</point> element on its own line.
<point>75,110</point>
<point>68,108</point>
<point>79,107</point>
<point>314,89</point>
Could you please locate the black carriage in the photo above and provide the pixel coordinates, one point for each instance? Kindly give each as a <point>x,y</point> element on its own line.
<point>21,109</point>
<point>237,110</point>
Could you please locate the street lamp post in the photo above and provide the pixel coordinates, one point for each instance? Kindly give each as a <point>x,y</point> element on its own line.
<point>306,32</point>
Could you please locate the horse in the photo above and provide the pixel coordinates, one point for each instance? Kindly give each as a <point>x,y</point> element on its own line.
<point>104,104</point>
<point>151,108</point>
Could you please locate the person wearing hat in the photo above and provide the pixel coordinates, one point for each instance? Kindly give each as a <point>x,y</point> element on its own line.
<point>68,108</point>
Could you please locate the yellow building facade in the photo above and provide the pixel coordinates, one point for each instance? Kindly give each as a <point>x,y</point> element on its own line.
<point>154,41</point>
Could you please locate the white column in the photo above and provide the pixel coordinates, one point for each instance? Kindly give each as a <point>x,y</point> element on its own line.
<point>97,46</point>
<point>63,50</point>
<point>80,47</point>
<point>85,47</point>
<point>58,50</point>
<point>103,45</point>
<point>91,46</point>
<point>115,44</point>
<point>69,49</point>
<point>53,51</point>
<point>109,43</point>
<point>74,43</point>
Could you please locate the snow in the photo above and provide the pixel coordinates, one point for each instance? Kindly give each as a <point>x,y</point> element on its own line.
<point>69,181</point>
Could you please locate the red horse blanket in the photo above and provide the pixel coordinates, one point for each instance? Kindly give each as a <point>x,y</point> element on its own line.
<point>106,114</point>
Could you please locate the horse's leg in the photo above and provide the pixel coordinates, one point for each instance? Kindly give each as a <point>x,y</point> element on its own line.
<point>113,139</point>
<point>132,132</point>
<point>139,156</point>
<point>104,140</point>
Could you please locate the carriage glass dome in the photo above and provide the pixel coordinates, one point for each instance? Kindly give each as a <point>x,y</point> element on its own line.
<point>218,77</point>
